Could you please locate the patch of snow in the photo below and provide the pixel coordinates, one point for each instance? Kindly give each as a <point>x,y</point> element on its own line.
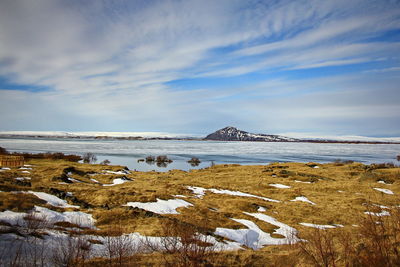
<point>340,191</point>
<point>304,199</point>
<point>253,237</point>
<point>198,191</point>
<point>5,169</point>
<point>27,165</point>
<point>25,172</point>
<point>383,190</point>
<point>25,168</point>
<point>381,206</point>
<point>53,200</point>
<point>261,209</point>
<point>382,213</point>
<point>182,196</point>
<point>284,229</point>
<point>73,180</point>
<point>118,181</point>
<point>11,217</point>
<point>319,226</point>
<point>316,167</point>
<point>22,178</point>
<point>383,182</point>
<point>161,206</point>
<point>75,217</point>
<point>282,186</point>
<point>297,181</point>
<point>94,180</point>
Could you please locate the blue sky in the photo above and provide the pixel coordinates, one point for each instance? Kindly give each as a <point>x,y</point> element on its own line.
<point>321,67</point>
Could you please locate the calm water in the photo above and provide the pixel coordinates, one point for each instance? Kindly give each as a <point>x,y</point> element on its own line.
<point>127,152</point>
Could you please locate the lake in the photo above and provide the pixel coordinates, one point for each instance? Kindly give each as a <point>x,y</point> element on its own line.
<point>127,152</point>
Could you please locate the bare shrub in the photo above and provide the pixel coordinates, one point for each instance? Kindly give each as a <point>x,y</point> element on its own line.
<point>341,162</point>
<point>380,239</point>
<point>163,159</point>
<point>89,158</point>
<point>387,165</point>
<point>119,247</point>
<point>376,242</point>
<point>194,161</point>
<point>319,248</point>
<point>183,245</point>
<point>71,251</point>
<point>150,159</point>
<point>105,162</point>
<point>3,151</point>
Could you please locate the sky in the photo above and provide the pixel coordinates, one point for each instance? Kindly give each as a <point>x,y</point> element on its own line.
<point>182,66</point>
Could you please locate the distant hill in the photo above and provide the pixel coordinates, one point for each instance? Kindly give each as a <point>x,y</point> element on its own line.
<point>233,134</point>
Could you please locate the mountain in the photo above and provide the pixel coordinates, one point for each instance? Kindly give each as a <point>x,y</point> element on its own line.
<point>233,134</point>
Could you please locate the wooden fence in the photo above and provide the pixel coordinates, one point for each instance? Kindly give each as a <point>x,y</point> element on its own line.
<point>11,161</point>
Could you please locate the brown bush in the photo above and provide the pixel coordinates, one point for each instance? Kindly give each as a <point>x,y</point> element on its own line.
<point>53,156</point>
<point>3,151</point>
<point>194,161</point>
<point>119,247</point>
<point>376,242</point>
<point>183,245</point>
<point>89,158</point>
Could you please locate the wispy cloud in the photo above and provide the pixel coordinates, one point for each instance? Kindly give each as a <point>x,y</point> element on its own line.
<point>109,65</point>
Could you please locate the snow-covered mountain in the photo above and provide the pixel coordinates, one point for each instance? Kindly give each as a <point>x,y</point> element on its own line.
<point>233,134</point>
<point>99,135</point>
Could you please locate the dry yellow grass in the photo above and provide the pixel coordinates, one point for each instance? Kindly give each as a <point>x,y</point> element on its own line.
<point>340,191</point>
